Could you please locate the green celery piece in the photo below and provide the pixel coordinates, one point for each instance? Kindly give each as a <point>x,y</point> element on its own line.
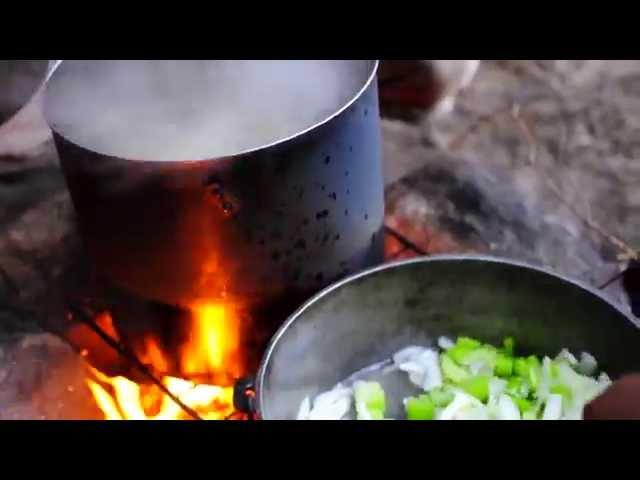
<point>517,387</point>
<point>504,366</point>
<point>468,342</point>
<point>372,396</point>
<point>509,346</point>
<point>523,404</point>
<point>483,354</point>
<point>468,350</point>
<point>451,371</point>
<point>530,414</point>
<point>460,353</point>
<point>477,386</point>
<point>562,390</point>
<point>535,369</point>
<point>521,367</point>
<point>441,397</point>
<point>420,408</point>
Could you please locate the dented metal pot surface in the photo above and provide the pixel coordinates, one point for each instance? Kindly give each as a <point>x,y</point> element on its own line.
<point>282,218</point>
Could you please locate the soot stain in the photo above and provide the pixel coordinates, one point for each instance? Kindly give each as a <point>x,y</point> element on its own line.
<point>322,214</point>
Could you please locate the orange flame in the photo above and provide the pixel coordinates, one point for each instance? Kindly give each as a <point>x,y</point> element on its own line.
<point>213,349</point>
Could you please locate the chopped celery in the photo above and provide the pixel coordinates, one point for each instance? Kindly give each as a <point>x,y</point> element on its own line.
<point>459,353</point>
<point>471,380</point>
<point>482,355</point>
<point>441,397</point>
<point>504,366</point>
<point>518,387</point>
<point>370,400</point>
<point>468,342</point>
<point>509,346</point>
<point>420,408</point>
<point>528,368</point>
<point>562,390</point>
<point>523,404</point>
<point>477,387</point>
<point>451,371</point>
<point>534,370</point>
<point>521,367</point>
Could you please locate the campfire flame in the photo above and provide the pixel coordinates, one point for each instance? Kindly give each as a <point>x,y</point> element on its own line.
<point>212,350</point>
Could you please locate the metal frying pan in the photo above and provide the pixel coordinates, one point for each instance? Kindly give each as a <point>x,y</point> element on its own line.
<point>366,318</point>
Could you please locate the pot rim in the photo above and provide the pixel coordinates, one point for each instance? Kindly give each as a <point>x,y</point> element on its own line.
<point>260,376</point>
<point>365,86</point>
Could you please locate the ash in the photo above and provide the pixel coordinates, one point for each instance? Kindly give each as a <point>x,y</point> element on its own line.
<point>534,160</point>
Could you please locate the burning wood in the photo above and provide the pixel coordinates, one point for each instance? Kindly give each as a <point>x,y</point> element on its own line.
<point>212,350</point>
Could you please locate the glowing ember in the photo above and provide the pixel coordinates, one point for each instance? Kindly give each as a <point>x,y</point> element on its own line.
<point>212,350</point>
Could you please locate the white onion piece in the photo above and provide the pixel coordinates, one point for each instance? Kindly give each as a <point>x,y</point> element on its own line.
<point>460,407</point>
<point>574,413</point>
<point>474,413</point>
<point>496,387</point>
<point>546,379</point>
<point>507,409</point>
<point>553,408</point>
<point>407,354</point>
<point>568,356</point>
<point>587,364</point>
<point>305,409</point>
<point>331,405</point>
<point>445,343</point>
<point>423,367</point>
<point>604,379</point>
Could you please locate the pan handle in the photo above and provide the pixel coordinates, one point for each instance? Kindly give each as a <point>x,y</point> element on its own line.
<point>244,395</point>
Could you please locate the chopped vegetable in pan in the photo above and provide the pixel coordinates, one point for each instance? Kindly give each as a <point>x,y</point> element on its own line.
<point>471,380</point>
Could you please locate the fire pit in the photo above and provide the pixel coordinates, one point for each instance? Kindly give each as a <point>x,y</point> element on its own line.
<point>244,187</point>
<point>213,360</point>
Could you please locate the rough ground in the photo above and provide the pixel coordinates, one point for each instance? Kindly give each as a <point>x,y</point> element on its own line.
<point>527,146</point>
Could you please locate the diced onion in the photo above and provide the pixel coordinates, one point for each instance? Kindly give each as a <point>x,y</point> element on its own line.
<point>553,408</point>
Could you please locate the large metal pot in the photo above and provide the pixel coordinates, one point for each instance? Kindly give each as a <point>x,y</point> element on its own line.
<point>278,219</point>
<point>364,319</point>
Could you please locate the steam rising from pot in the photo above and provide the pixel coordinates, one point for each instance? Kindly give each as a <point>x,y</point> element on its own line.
<point>192,110</point>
